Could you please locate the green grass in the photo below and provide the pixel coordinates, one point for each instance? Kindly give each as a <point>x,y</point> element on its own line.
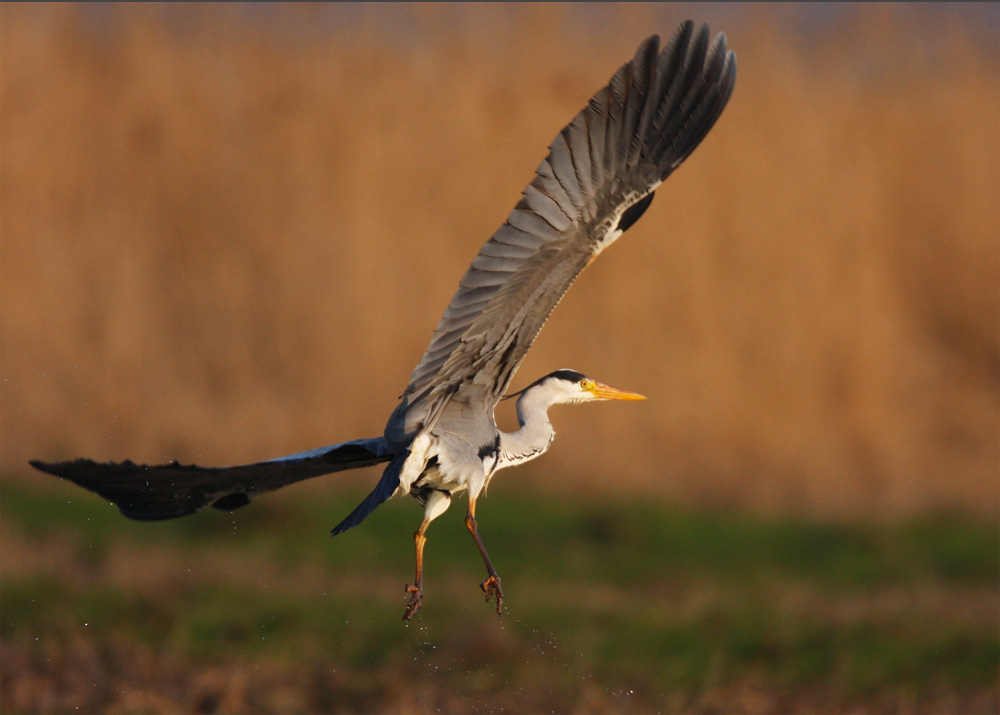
<point>609,606</point>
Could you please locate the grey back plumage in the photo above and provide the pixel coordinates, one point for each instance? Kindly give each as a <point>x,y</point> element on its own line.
<point>597,179</point>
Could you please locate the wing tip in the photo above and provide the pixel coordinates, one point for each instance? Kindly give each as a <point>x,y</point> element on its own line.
<point>67,469</point>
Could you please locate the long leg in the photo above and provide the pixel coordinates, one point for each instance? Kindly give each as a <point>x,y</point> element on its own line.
<point>436,504</point>
<point>416,588</point>
<point>491,586</point>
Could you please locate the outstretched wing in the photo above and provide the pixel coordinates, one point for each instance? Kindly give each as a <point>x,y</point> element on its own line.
<point>167,491</point>
<point>597,181</point>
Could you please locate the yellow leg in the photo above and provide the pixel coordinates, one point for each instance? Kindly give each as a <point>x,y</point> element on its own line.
<point>491,586</point>
<point>416,590</point>
<point>435,505</point>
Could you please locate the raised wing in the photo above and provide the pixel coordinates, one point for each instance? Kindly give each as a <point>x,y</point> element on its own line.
<point>167,491</point>
<point>596,181</point>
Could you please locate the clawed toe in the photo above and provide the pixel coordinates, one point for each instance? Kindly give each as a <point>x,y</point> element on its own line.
<point>414,605</point>
<point>491,587</point>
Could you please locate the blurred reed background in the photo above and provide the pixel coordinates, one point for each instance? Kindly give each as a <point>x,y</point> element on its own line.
<point>227,233</point>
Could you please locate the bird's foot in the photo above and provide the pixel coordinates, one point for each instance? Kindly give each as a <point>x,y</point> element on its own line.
<point>491,587</point>
<point>417,595</point>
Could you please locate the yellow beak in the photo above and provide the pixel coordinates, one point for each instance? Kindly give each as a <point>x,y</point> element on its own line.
<point>606,392</point>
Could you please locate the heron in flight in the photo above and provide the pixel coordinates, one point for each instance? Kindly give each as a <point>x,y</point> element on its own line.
<point>442,438</point>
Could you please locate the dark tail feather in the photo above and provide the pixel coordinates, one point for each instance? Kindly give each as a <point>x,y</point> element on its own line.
<point>382,491</point>
<point>171,490</point>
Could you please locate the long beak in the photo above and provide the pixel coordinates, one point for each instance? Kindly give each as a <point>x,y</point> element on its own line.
<point>606,392</point>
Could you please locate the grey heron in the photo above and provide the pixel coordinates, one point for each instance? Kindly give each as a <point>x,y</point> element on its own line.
<point>442,439</point>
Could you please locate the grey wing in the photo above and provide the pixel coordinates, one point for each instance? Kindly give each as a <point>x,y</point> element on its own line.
<point>596,181</point>
<point>171,490</point>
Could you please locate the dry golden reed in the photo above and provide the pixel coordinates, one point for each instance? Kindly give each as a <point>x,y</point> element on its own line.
<point>227,236</point>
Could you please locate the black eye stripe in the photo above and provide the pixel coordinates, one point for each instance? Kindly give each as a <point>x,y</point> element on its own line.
<point>568,375</point>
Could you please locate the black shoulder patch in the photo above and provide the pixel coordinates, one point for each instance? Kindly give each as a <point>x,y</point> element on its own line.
<point>490,449</point>
<point>634,212</point>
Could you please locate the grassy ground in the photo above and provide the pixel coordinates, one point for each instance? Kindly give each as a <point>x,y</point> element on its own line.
<point>619,606</point>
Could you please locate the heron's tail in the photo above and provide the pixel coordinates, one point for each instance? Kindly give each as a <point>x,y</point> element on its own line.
<point>170,490</point>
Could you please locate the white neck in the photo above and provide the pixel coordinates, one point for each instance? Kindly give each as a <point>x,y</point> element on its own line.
<point>536,433</point>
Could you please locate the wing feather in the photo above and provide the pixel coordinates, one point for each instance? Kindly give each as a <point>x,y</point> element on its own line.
<point>542,197</point>
<point>629,137</point>
<point>167,491</point>
<point>578,141</point>
<point>561,160</point>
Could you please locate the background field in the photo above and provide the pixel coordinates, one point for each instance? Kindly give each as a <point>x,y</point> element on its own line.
<point>611,607</point>
<point>227,232</point>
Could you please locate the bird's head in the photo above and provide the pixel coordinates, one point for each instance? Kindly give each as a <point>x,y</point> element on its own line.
<point>570,386</point>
